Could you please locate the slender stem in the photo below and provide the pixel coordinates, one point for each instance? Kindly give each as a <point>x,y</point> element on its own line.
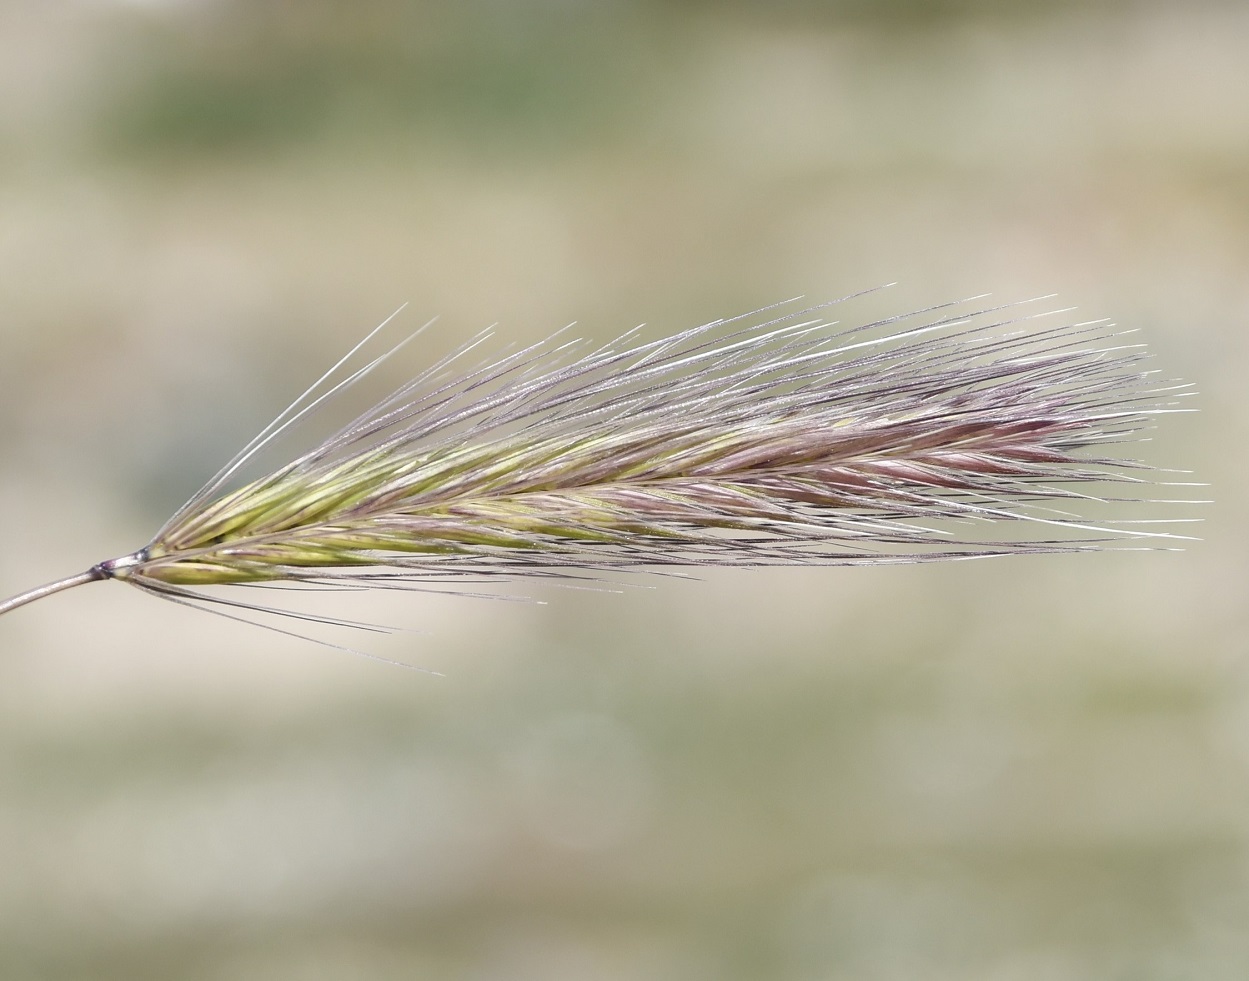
<point>91,575</point>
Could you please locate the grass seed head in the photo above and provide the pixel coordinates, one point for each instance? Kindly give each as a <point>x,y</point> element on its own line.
<point>956,432</point>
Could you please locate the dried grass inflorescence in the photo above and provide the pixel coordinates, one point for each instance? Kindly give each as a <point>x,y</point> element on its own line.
<point>954,432</point>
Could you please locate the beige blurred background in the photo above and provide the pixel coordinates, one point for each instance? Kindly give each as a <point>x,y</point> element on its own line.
<point>1024,770</point>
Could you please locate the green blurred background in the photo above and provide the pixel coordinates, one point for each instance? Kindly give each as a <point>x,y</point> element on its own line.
<point>1025,770</point>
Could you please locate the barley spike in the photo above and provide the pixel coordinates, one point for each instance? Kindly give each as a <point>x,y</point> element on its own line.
<point>959,431</point>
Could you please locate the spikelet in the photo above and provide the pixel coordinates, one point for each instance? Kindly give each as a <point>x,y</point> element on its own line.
<point>954,432</point>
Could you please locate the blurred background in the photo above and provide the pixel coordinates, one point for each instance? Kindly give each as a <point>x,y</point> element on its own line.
<point>1022,770</point>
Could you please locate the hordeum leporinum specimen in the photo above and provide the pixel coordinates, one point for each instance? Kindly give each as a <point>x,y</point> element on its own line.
<point>776,438</point>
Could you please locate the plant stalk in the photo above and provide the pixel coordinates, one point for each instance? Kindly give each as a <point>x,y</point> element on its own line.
<point>91,575</point>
